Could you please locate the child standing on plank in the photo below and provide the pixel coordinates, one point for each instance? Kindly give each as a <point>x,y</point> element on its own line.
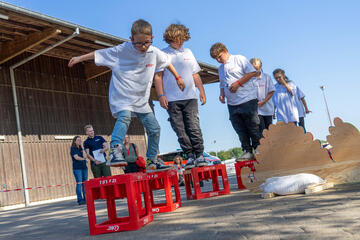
<point>235,74</point>
<point>182,106</point>
<point>265,91</point>
<point>133,66</point>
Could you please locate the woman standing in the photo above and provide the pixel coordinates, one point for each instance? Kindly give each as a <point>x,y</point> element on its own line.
<point>80,170</point>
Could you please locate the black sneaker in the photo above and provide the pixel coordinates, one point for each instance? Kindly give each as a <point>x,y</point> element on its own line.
<point>190,163</point>
<point>116,157</point>
<point>157,164</point>
<point>200,162</point>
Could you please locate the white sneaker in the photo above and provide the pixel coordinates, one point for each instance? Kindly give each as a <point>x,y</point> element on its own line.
<point>245,156</point>
<point>116,156</point>
<point>256,152</point>
<point>190,163</point>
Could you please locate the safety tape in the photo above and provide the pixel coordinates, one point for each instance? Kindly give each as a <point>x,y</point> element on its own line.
<point>48,186</point>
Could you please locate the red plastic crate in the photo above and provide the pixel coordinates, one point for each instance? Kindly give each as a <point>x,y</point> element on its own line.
<point>239,166</point>
<point>164,180</point>
<point>130,186</point>
<point>197,174</point>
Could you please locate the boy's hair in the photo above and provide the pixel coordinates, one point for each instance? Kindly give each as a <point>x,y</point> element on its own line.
<point>279,70</point>
<point>254,60</point>
<point>216,49</point>
<point>141,26</point>
<point>176,32</point>
<point>87,127</point>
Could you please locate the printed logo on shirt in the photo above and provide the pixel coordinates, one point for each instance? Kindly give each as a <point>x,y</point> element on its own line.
<point>97,140</point>
<point>261,85</point>
<point>149,65</point>
<point>187,59</point>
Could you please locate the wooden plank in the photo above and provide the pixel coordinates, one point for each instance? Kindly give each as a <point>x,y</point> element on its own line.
<point>318,187</point>
<point>92,71</point>
<point>14,48</point>
<point>268,195</point>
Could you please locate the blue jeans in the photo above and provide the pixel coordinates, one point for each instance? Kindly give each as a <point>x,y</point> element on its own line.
<point>81,175</point>
<point>151,126</point>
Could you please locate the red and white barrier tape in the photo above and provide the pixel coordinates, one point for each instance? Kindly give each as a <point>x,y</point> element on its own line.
<point>48,186</point>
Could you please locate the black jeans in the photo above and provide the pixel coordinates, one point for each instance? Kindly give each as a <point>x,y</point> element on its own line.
<point>302,123</point>
<point>184,119</point>
<point>245,120</point>
<point>132,167</point>
<point>265,122</point>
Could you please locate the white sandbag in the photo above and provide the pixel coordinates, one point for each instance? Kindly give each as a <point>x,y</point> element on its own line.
<point>290,184</point>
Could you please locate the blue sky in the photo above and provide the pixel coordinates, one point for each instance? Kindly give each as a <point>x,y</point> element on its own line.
<point>316,42</point>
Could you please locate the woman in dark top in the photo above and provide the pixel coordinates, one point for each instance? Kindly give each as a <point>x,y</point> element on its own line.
<point>80,170</point>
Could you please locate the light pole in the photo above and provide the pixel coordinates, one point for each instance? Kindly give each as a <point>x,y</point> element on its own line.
<point>327,108</point>
<point>215,148</point>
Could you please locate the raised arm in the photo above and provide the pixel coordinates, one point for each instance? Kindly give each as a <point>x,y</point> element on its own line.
<point>81,58</point>
<point>199,85</point>
<point>245,78</point>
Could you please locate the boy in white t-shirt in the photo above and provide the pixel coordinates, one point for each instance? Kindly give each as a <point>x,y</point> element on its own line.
<point>236,84</point>
<point>265,91</point>
<point>133,66</point>
<point>182,106</point>
<point>284,98</point>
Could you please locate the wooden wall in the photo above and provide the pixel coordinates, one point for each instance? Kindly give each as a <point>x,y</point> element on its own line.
<point>53,100</point>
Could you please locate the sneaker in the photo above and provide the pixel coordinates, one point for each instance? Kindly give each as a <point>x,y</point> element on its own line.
<point>190,163</point>
<point>200,162</point>
<point>157,164</point>
<point>116,157</point>
<point>256,152</point>
<point>245,156</point>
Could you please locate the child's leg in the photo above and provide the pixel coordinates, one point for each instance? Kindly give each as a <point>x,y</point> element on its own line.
<point>192,127</point>
<point>252,125</point>
<point>268,121</point>
<point>153,131</point>
<point>262,124</point>
<point>120,128</point>
<point>302,123</point>
<point>175,110</point>
<point>239,126</point>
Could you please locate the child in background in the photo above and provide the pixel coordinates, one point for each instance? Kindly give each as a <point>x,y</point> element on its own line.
<point>265,91</point>
<point>235,74</point>
<point>179,168</point>
<point>302,107</point>
<point>182,106</point>
<point>284,98</point>
<point>133,66</point>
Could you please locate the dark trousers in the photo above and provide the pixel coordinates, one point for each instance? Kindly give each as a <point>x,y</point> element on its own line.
<point>302,123</point>
<point>184,119</point>
<point>245,120</point>
<point>132,167</point>
<point>265,122</point>
<point>100,170</point>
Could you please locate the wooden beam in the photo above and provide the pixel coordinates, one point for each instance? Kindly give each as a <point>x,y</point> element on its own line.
<point>93,71</point>
<point>19,45</point>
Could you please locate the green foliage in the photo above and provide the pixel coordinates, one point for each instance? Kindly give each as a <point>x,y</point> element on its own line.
<point>231,153</point>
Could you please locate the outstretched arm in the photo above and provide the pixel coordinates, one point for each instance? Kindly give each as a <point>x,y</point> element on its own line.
<point>158,81</point>
<point>199,85</point>
<point>81,58</point>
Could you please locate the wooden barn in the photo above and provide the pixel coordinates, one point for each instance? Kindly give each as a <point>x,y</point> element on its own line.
<point>43,103</point>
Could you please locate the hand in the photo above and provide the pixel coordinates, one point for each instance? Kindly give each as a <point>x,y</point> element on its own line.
<point>73,61</point>
<point>180,83</point>
<point>307,111</point>
<point>163,102</point>
<point>102,151</point>
<point>97,162</point>
<point>222,99</point>
<point>234,87</point>
<point>202,98</point>
<point>261,103</point>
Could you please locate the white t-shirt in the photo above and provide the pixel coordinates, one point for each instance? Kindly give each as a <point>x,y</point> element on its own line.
<point>186,65</point>
<point>132,75</point>
<point>299,103</point>
<point>285,104</point>
<point>234,69</point>
<point>264,85</point>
